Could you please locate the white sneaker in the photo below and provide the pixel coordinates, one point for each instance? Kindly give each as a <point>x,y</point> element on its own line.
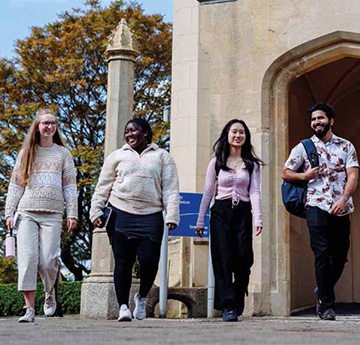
<point>50,303</point>
<point>29,315</point>
<point>140,307</point>
<point>124,313</point>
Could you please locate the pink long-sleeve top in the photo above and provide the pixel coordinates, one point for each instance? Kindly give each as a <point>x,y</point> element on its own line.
<point>232,185</point>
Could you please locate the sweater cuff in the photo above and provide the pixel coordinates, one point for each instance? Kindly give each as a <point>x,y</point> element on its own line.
<point>72,209</point>
<point>171,220</point>
<point>200,224</point>
<point>96,216</point>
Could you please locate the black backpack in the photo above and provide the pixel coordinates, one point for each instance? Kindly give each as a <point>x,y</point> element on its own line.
<point>294,192</point>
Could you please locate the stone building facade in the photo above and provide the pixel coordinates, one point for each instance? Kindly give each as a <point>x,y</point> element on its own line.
<point>264,62</point>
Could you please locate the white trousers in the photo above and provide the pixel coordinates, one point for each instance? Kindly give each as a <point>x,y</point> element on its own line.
<point>38,245</point>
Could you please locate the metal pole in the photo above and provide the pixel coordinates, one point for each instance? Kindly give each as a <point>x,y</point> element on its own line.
<point>163,289</point>
<point>211,284</point>
<point>211,277</point>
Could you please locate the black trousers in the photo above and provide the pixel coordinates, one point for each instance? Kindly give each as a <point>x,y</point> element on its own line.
<point>330,242</point>
<point>232,252</point>
<point>125,251</point>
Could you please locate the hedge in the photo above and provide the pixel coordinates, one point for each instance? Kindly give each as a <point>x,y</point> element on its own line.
<point>12,301</point>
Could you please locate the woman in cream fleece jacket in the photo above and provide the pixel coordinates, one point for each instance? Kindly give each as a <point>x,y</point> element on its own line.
<point>138,182</point>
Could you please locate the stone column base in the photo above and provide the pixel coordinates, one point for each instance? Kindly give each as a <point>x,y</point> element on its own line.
<point>98,299</point>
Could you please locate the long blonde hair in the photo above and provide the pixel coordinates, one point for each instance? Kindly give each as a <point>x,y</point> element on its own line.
<point>28,150</point>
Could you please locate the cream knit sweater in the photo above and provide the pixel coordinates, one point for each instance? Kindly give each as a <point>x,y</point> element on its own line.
<point>52,180</point>
<point>138,184</point>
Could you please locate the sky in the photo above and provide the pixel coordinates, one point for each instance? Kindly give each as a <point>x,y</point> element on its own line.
<point>17,16</point>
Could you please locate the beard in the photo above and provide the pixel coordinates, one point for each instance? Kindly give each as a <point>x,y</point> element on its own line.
<point>320,134</point>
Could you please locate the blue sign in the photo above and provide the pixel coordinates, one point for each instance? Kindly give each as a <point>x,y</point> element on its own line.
<point>189,210</point>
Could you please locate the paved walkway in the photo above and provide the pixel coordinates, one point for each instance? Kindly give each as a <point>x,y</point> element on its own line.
<point>72,330</point>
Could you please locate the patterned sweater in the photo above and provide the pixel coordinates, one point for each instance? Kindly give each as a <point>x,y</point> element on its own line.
<point>52,180</point>
<point>138,184</point>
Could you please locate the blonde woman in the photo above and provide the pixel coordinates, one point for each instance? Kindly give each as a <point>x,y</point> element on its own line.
<point>43,177</point>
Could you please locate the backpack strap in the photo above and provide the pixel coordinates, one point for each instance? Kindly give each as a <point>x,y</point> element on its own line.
<point>311,152</point>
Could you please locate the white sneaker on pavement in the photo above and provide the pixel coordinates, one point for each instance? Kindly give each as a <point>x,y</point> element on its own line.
<point>140,307</point>
<point>50,303</point>
<point>124,313</point>
<point>29,315</point>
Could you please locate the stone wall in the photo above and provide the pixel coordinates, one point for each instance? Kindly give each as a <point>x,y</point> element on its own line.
<point>238,59</point>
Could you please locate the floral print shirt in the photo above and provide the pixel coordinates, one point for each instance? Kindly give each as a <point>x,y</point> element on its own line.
<point>335,157</point>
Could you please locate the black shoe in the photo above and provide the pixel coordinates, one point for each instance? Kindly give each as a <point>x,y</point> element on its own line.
<point>328,314</point>
<point>229,315</point>
<point>318,302</point>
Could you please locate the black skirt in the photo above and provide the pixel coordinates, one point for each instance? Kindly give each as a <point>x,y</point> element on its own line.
<point>136,226</point>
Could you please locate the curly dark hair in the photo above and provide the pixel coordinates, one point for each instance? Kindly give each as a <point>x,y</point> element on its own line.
<point>326,108</point>
<point>141,124</point>
<point>222,149</point>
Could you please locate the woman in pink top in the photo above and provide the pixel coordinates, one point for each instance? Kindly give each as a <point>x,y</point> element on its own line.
<point>237,201</point>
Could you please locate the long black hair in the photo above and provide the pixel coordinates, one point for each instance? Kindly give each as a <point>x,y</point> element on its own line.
<point>222,149</point>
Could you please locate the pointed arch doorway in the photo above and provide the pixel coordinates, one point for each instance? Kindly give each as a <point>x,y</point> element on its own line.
<point>327,68</point>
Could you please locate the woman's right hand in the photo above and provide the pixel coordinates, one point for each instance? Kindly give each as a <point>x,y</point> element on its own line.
<point>97,222</point>
<point>200,232</point>
<point>10,222</point>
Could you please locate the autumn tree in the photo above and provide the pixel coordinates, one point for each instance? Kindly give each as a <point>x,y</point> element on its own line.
<point>62,65</point>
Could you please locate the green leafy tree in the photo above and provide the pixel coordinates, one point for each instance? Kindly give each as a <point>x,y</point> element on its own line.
<point>62,65</point>
<point>8,271</point>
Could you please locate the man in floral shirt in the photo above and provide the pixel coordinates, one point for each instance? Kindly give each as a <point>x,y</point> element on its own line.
<point>328,202</point>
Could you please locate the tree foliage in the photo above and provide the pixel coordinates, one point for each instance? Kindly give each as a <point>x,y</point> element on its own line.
<point>62,65</point>
<point>8,271</point>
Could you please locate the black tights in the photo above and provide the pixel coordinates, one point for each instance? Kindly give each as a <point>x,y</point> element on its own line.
<point>125,251</point>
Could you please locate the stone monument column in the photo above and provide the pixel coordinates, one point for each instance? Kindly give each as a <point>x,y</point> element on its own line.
<point>191,125</point>
<point>98,299</point>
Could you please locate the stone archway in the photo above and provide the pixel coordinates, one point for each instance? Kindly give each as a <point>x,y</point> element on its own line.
<point>275,116</point>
